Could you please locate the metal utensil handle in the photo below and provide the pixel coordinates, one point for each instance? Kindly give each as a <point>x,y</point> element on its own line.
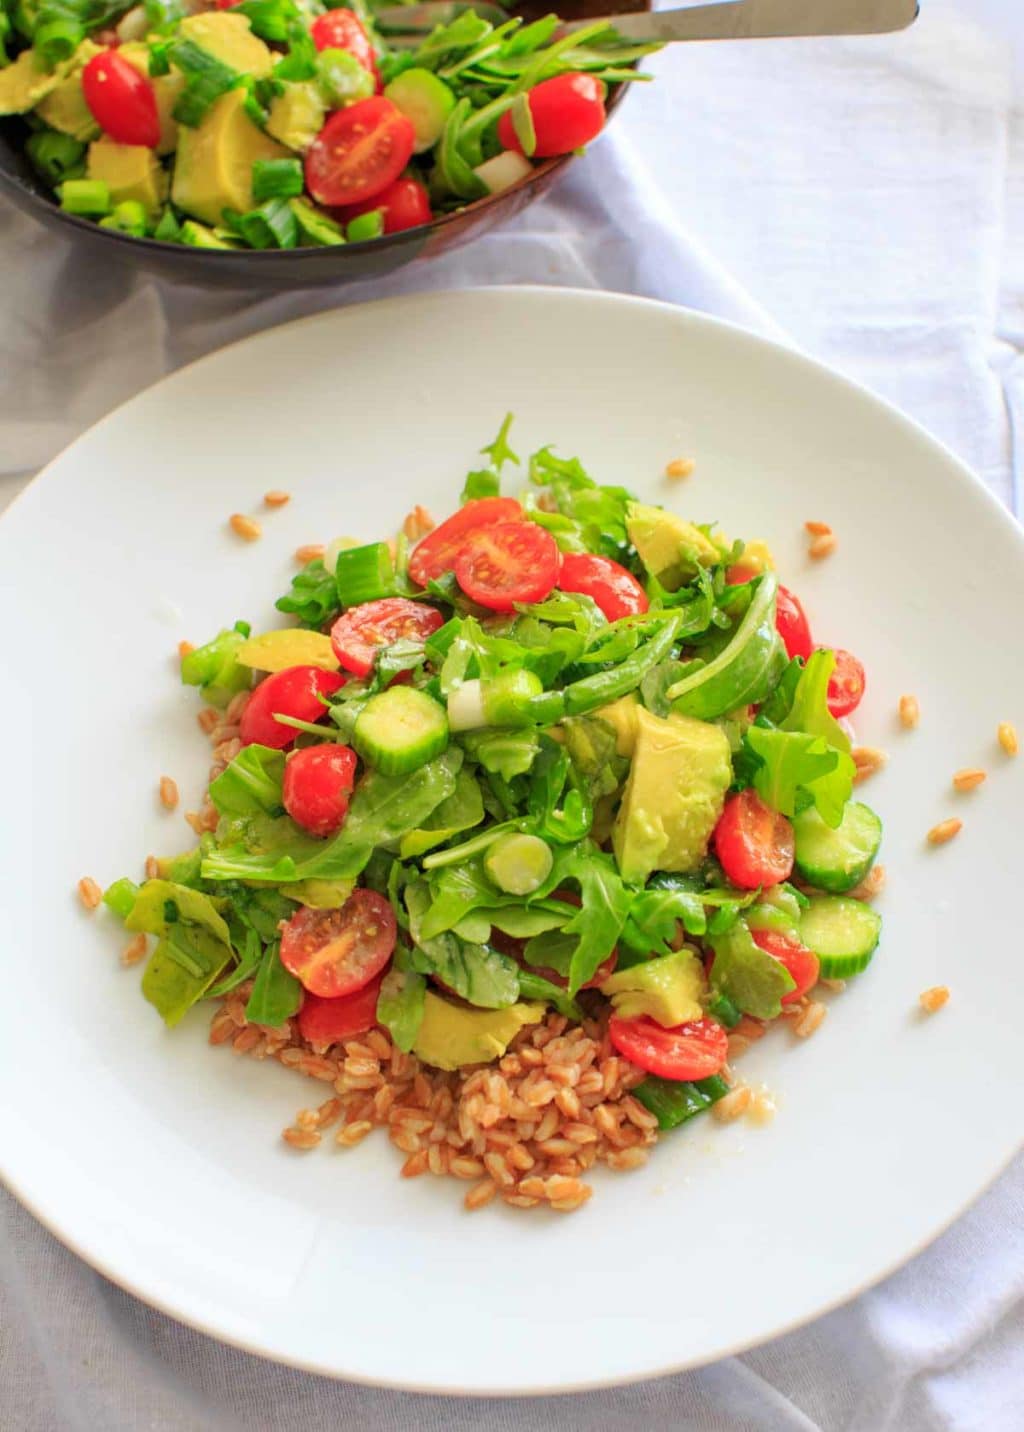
<point>765,20</point>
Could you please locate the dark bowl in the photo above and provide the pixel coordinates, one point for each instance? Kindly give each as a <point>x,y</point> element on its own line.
<point>295,268</point>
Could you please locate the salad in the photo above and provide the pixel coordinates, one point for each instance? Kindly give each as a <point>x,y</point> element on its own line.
<point>515,831</point>
<point>285,123</point>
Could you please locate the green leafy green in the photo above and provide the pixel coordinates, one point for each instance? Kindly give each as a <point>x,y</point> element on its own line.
<point>748,975</point>
<point>462,810</point>
<point>504,753</point>
<point>476,973</point>
<point>401,1000</point>
<point>250,782</point>
<point>795,769</point>
<point>809,711</point>
<point>214,669</point>
<point>313,596</point>
<point>746,668</point>
<point>534,986</point>
<point>276,993</point>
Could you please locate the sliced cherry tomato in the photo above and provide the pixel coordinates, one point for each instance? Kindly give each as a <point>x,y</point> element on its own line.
<point>846,684</point>
<point>436,553</point>
<point>689,1051</point>
<point>335,952</point>
<point>406,205</point>
<point>122,102</point>
<point>318,781</point>
<point>342,30</point>
<point>508,563</point>
<point>358,634</point>
<point>792,625</point>
<point>616,591</point>
<point>360,151</point>
<point>567,112</point>
<point>328,1021</point>
<point>295,692</point>
<point>754,842</point>
<point>737,574</point>
<point>801,962</point>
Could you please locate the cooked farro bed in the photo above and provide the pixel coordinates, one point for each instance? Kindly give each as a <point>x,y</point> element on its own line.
<point>527,825</point>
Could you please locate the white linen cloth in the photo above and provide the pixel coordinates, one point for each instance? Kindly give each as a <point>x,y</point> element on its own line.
<point>869,194</point>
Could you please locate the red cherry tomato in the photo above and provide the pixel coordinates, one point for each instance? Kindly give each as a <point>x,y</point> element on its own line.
<point>328,1021</point>
<point>318,781</point>
<point>508,563</point>
<point>360,151</point>
<point>567,112</point>
<point>792,625</point>
<point>738,573</point>
<point>342,30</point>
<point>227,4</point>
<point>616,591</point>
<point>846,684</point>
<point>801,962</point>
<point>295,692</point>
<point>436,553</point>
<point>335,952</point>
<point>122,102</point>
<point>406,205</point>
<point>359,633</point>
<point>754,842</point>
<point>689,1051</point>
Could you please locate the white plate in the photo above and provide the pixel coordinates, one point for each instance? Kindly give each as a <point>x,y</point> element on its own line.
<point>159,1160</point>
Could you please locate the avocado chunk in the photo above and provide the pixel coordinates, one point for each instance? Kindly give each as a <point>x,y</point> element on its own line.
<point>287,646</point>
<point>677,782</point>
<point>64,108</point>
<point>213,167</point>
<point>622,716</point>
<point>130,171</point>
<point>229,38</point>
<point>166,88</point>
<point>670,548</point>
<point>668,989</point>
<point>297,115</point>
<point>452,1035</point>
<point>27,81</point>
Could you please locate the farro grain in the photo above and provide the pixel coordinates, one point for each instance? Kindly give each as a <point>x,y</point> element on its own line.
<point>837,986</point>
<point>809,1020</point>
<point>306,1119</point>
<point>222,1027</point>
<point>328,1111</point>
<point>152,867</point>
<point>437,1159</point>
<point>944,831</point>
<point>480,1194</point>
<point>733,1105</point>
<point>276,497</point>
<point>518,1201</point>
<point>519,1157</point>
<point>637,1114</point>
<point>246,1039</point>
<point>872,884</point>
<point>245,527</point>
<point>311,552</point>
<point>301,1138</point>
<point>909,711</point>
<point>554,1148</point>
<point>418,523</point>
<point>680,467</point>
<point>415,1164</point>
<point>208,718</point>
<point>185,648</point>
<point>968,779</point>
<point>168,793</point>
<point>497,1166</point>
<point>89,892</point>
<point>932,1000</point>
<point>1007,735</point>
<point>822,546</point>
<point>463,1167</point>
<point>623,1159</point>
<point>818,529</point>
<point>578,1133</point>
<point>867,760</point>
<point>354,1133</point>
<point>408,1143</point>
<point>134,951</point>
<point>568,1102</point>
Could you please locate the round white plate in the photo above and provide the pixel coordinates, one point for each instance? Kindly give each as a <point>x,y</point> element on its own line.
<point>159,1159</point>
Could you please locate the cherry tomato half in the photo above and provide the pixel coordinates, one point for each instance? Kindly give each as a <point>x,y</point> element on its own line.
<point>342,30</point>
<point>802,963</point>
<point>328,1021</point>
<point>122,102</point>
<point>689,1051</point>
<point>616,591</point>
<point>567,112</point>
<point>335,952</point>
<point>436,553</point>
<point>508,563</point>
<point>360,632</point>
<point>792,625</point>
<point>406,204</point>
<point>846,684</point>
<point>318,781</point>
<point>360,151</point>
<point>294,692</point>
<point>754,842</point>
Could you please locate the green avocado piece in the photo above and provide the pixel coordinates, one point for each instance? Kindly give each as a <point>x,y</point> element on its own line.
<point>213,166</point>
<point>131,171</point>
<point>621,715</point>
<point>678,778</point>
<point>670,548</point>
<point>297,115</point>
<point>668,989</point>
<point>64,108</point>
<point>27,81</point>
<point>229,38</point>
<point>452,1035</point>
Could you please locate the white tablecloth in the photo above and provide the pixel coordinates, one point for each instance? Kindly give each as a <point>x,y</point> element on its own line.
<point>864,198</point>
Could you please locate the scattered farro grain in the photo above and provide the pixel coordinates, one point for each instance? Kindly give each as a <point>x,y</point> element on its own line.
<point>818,529</point>
<point>168,793</point>
<point>871,885</point>
<point>134,951</point>
<point>415,1164</point>
<point>822,546</point>
<point>809,1020</point>
<point>867,760</point>
<point>301,1138</point>
<point>836,986</point>
<point>761,1109</point>
<point>680,467</point>
<point>944,831</point>
<point>152,868</point>
<point>933,999</point>
<point>418,523</point>
<point>909,711</point>
<point>311,552</point>
<point>624,1159</point>
<point>306,1119</point>
<point>276,498</point>
<point>89,892</point>
<point>1007,734</point>
<point>969,778</point>
<point>733,1105</point>
<point>208,718</point>
<point>351,1134</point>
<point>245,527</point>
<point>185,648</point>
<point>480,1194</point>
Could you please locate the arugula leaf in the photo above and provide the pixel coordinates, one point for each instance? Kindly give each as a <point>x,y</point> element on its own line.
<point>251,782</point>
<point>534,986</point>
<point>746,974</point>
<point>598,512</point>
<point>401,999</point>
<point>655,915</point>
<point>462,810</point>
<point>476,973</point>
<point>524,921</point>
<point>604,907</point>
<point>552,772</point>
<point>809,711</point>
<point>482,483</point>
<point>248,964</point>
<point>276,993</point>
<point>796,769</point>
<point>499,450</point>
<point>744,671</point>
<point>552,950</point>
<point>313,596</point>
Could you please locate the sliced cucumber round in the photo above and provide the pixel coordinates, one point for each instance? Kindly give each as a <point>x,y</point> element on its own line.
<point>843,933</point>
<point>400,729</point>
<point>519,864</point>
<point>425,100</point>
<point>836,860</point>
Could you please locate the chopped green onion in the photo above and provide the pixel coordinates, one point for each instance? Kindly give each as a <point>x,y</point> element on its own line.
<point>365,226</point>
<point>159,58</point>
<point>120,897</point>
<point>364,574</point>
<point>85,196</point>
<point>168,229</point>
<point>163,15</point>
<point>270,19</point>
<point>271,226</point>
<point>207,79</point>
<point>54,156</point>
<point>342,79</point>
<point>314,227</point>
<point>276,178</point>
<point>129,217</point>
<point>300,61</point>
<point>57,38</point>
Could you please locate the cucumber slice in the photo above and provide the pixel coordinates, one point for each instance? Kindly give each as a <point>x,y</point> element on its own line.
<point>843,933</point>
<point>836,860</point>
<point>400,729</point>
<point>519,864</point>
<point>424,99</point>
